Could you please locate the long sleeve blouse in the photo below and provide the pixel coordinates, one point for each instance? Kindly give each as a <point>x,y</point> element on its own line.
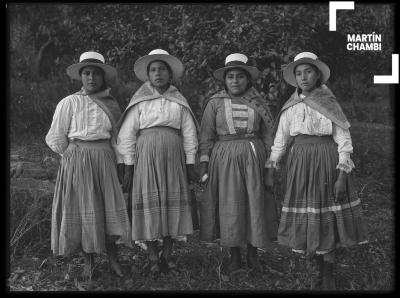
<point>157,112</point>
<point>78,116</point>
<point>228,116</point>
<point>302,119</point>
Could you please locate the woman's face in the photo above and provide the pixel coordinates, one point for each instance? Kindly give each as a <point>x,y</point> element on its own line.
<point>236,81</point>
<point>159,75</point>
<point>306,77</point>
<point>92,79</point>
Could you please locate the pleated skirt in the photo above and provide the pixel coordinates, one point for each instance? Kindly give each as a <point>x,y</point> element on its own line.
<point>160,191</point>
<point>235,208</point>
<point>88,203</point>
<point>311,222</point>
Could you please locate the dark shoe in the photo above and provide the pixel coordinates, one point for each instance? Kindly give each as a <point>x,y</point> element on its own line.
<point>252,258</point>
<point>167,265</point>
<point>113,259</point>
<point>328,279</point>
<point>89,266</point>
<point>115,267</point>
<point>154,268</point>
<point>317,282</point>
<point>235,262</point>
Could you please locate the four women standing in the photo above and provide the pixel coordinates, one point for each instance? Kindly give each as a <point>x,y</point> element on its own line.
<point>157,142</point>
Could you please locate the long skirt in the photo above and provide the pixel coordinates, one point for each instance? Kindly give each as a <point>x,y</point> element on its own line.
<point>311,222</point>
<point>235,207</point>
<point>160,191</point>
<point>88,203</point>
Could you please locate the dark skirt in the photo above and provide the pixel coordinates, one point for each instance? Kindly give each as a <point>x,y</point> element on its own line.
<point>235,207</point>
<point>88,202</point>
<point>160,192</point>
<point>311,222</point>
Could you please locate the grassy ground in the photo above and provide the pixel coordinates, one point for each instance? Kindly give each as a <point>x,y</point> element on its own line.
<point>362,268</point>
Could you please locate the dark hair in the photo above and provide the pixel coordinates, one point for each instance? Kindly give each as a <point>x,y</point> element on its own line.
<point>105,85</point>
<point>166,65</point>
<point>249,81</point>
<point>316,69</point>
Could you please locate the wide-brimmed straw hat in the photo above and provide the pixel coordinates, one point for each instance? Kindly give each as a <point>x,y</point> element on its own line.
<point>141,64</point>
<point>92,59</point>
<point>309,58</point>
<point>236,60</point>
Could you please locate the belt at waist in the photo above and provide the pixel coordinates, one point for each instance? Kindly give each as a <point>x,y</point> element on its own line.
<point>238,137</point>
<point>159,129</point>
<point>310,139</point>
<point>101,141</point>
<point>99,144</point>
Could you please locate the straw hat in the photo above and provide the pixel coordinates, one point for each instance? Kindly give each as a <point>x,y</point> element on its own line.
<point>236,60</point>
<point>141,64</point>
<point>92,59</point>
<point>305,57</point>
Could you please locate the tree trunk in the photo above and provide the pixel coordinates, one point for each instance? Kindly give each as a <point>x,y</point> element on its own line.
<point>39,58</point>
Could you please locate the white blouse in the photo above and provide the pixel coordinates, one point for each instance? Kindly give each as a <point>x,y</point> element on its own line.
<point>302,119</point>
<point>157,112</point>
<point>78,116</point>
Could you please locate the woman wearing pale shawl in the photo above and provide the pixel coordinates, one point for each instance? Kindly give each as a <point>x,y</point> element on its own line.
<point>158,143</point>
<point>235,141</point>
<point>321,209</point>
<point>89,210</point>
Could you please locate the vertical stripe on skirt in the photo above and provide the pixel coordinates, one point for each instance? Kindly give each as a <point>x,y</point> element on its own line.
<point>311,221</point>
<point>160,192</point>
<point>235,206</point>
<point>88,201</point>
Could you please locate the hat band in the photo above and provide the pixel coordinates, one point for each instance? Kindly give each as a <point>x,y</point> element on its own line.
<point>235,63</point>
<point>91,60</point>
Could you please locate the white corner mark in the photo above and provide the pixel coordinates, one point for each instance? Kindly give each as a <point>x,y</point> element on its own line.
<point>335,5</point>
<point>394,78</point>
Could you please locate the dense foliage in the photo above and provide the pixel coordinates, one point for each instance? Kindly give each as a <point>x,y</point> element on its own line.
<point>46,38</point>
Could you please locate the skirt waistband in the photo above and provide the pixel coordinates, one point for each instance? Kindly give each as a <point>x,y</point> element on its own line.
<point>159,129</point>
<point>310,139</point>
<point>238,137</point>
<point>91,143</point>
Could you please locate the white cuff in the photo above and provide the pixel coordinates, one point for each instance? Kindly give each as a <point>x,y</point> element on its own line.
<point>190,159</point>
<point>129,159</point>
<point>271,164</point>
<point>204,158</point>
<point>345,162</point>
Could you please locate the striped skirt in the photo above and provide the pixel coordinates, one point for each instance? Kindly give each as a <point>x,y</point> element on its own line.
<point>160,191</point>
<point>88,202</point>
<point>235,207</point>
<point>311,222</point>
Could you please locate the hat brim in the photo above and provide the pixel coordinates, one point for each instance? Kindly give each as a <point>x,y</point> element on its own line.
<point>110,73</point>
<point>253,71</point>
<point>288,73</point>
<point>140,67</point>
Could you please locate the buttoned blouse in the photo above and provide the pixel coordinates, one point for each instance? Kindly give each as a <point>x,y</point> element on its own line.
<point>78,116</point>
<point>228,116</point>
<point>157,112</point>
<point>302,119</point>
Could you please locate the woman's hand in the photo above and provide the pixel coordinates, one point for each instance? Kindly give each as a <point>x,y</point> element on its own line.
<point>203,171</point>
<point>269,178</point>
<point>120,172</point>
<point>128,177</point>
<point>191,172</point>
<point>339,189</point>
